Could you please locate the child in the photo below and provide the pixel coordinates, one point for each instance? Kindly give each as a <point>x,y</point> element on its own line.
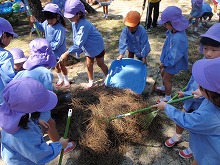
<point>152,5</point>
<point>174,57</point>
<point>134,38</point>
<point>19,59</point>
<point>204,123</point>
<point>210,41</point>
<point>22,140</point>
<point>86,38</point>
<point>6,60</point>
<point>207,13</point>
<point>196,13</point>
<point>41,57</point>
<point>55,33</point>
<point>105,4</point>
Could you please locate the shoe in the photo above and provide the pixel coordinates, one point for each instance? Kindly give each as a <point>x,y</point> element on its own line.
<point>172,141</point>
<point>59,83</point>
<point>148,30</point>
<point>89,85</point>
<point>187,153</point>
<point>160,89</point>
<point>66,84</point>
<point>165,99</point>
<point>70,146</point>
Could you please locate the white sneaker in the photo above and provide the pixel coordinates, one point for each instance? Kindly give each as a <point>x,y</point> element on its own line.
<point>173,140</point>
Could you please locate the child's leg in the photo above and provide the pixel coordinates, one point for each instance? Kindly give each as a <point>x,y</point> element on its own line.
<point>101,63</point>
<point>89,65</point>
<point>167,83</point>
<point>179,130</point>
<point>103,7</point>
<point>106,10</point>
<point>156,14</point>
<point>52,131</point>
<point>65,73</point>
<point>59,75</point>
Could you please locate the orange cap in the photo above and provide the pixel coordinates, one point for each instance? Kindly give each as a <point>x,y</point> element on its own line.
<point>132,19</point>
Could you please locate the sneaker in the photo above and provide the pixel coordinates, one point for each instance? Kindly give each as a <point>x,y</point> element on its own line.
<point>148,30</point>
<point>160,89</point>
<point>59,83</point>
<point>172,141</point>
<point>187,153</point>
<point>70,146</point>
<point>165,99</point>
<point>89,85</point>
<point>66,84</point>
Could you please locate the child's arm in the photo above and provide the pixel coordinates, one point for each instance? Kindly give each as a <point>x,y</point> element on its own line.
<point>58,39</point>
<point>37,23</point>
<point>123,43</point>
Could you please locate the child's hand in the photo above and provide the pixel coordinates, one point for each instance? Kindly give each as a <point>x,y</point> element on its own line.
<point>64,142</point>
<point>44,124</point>
<point>120,57</point>
<point>197,94</point>
<point>33,19</point>
<point>180,94</point>
<point>160,106</point>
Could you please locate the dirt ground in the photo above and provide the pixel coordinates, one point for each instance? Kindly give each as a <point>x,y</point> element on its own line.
<point>153,151</point>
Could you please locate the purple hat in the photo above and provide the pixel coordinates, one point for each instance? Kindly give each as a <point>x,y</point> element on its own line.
<point>205,72</point>
<point>41,54</point>
<point>174,15</point>
<point>213,32</point>
<point>5,26</point>
<point>199,2</point>
<point>72,7</point>
<point>21,96</point>
<point>53,8</point>
<point>18,55</point>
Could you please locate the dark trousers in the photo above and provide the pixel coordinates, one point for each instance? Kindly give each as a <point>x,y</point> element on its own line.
<point>151,7</point>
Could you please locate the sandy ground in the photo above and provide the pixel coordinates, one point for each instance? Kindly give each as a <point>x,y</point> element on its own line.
<point>156,154</point>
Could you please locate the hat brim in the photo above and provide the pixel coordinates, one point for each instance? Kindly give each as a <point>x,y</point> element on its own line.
<point>198,73</point>
<point>52,102</point>
<point>214,37</point>
<point>20,60</point>
<point>68,15</point>
<point>14,34</point>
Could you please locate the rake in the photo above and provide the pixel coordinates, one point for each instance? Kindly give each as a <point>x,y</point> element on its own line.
<point>149,108</point>
<point>150,116</point>
<point>65,134</point>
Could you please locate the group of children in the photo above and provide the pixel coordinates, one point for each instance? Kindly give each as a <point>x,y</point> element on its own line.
<point>32,81</point>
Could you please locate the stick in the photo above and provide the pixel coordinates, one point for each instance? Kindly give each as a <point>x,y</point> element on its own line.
<point>29,12</point>
<point>65,134</point>
<point>149,108</point>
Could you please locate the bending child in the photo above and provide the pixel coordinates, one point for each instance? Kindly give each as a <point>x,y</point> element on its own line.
<point>86,38</point>
<point>174,56</point>
<point>22,140</point>
<point>134,38</point>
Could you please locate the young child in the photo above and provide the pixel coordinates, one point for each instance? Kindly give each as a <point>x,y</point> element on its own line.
<point>134,38</point>
<point>42,56</point>
<point>210,41</point>
<point>204,123</point>
<point>19,59</point>
<point>105,4</point>
<point>86,38</point>
<point>196,13</point>
<point>6,60</point>
<point>174,57</point>
<point>22,140</point>
<point>207,13</point>
<point>55,32</point>
<point>152,5</point>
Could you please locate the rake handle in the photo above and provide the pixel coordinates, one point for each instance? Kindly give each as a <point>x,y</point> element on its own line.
<point>65,134</point>
<point>149,108</point>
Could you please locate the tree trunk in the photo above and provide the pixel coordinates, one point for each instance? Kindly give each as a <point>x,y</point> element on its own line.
<point>36,9</point>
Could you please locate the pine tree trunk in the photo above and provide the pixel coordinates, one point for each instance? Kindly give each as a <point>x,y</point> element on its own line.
<point>88,8</point>
<point>36,9</point>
